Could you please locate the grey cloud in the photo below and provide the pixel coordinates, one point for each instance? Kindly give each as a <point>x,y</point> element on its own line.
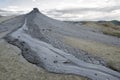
<point>82,13</point>
<point>82,10</point>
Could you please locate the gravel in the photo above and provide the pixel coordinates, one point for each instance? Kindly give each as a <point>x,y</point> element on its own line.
<point>40,39</point>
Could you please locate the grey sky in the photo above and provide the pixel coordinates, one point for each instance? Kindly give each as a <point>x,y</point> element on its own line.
<point>69,9</point>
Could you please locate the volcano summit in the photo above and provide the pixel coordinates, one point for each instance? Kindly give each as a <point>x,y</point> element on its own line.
<point>41,40</point>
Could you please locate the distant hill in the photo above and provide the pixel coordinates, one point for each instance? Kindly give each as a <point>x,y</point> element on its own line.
<point>111,28</point>
<point>9,13</point>
<point>64,48</point>
<point>116,22</point>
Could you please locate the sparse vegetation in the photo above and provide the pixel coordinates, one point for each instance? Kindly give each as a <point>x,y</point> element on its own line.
<point>112,33</point>
<point>32,33</point>
<point>14,67</point>
<point>110,53</point>
<point>111,28</point>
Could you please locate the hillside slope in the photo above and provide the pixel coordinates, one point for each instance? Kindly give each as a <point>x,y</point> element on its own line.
<point>14,67</point>
<point>41,40</point>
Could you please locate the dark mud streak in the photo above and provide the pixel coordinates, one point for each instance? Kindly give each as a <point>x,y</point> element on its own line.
<point>83,66</point>
<point>32,56</point>
<point>27,53</point>
<point>34,32</point>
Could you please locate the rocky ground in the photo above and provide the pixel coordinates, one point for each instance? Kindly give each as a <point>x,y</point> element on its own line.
<point>110,53</point>
<point>49,44</point>
<point>14,67</point>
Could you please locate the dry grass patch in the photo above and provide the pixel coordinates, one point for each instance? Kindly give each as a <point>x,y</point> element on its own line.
<point>112,32</point>
<point>14,67</point>
<point>109,53</point>
<point>92,25</point>
<point>107,28</point>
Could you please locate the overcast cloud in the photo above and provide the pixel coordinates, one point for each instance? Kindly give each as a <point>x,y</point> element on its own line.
<point>69,9</point>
